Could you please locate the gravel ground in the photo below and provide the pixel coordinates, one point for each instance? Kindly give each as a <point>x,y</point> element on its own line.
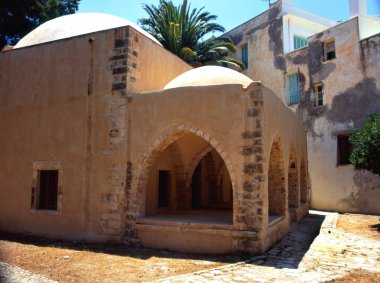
<point>13,274</point>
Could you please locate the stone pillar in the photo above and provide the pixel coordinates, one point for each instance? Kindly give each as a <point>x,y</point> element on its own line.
<point>248,214</point>
<point>119,200</point>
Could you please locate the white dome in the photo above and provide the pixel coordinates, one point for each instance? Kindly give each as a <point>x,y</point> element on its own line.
<point>209,75</point>
<point>74,25</point>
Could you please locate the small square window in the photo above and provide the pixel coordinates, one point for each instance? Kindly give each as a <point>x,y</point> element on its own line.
<point>318,94</point>
<point>344,149</point>
<point>46,186</point>
<point>299,41</point>
<point>329,50</point>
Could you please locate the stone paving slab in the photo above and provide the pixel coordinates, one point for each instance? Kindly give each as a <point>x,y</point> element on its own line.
<point>13,274</point>
<point>300,257</point>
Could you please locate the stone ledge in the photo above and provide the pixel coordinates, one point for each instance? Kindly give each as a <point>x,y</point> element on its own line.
<point>331,218</point>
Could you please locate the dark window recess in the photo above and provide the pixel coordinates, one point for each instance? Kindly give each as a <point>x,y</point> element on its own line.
<point>344,149</point>
<point>163,188</point>
<point>48,189</point>
<point>196,188</point>
<point>330,51</point>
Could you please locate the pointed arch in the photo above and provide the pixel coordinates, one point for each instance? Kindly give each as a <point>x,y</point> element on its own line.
<point>144,167</point>
<point>276,180</point>
<point>293,188</point>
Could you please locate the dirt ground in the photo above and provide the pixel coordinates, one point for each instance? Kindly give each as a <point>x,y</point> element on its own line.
<point>359,276</point>
<point>366,226</point>
<point>80,262</point>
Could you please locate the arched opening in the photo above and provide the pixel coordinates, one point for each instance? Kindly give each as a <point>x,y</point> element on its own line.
<point>293,191</point>
<point>189,180</point>
<point>211,184</point>
<point>276,182</point>
<point>303,183</point>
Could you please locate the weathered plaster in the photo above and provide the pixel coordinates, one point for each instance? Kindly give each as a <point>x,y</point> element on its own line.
<point>366,184</point>
<point>355,104</point>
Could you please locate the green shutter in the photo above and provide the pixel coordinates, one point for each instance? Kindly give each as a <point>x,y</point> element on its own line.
<point>293,89</point>
<point>299,41</point>
<point>244,55</point>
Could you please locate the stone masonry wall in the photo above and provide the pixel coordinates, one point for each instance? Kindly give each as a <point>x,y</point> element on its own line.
<point>248,212</point>
<point>116,197</point>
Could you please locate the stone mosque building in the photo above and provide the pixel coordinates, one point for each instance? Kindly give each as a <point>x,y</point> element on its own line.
<point>107,136</point>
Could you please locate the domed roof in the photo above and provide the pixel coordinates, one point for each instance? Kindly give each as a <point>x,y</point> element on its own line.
<point>74,25</point>
<point>209,75</point>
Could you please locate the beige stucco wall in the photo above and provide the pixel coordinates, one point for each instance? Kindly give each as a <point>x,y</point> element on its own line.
<point>351,92</point>
<point>264,37</point>
<point>38,98</point>
<point>66,101</point>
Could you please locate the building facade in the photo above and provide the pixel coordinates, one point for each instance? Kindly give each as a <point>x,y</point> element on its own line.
<point>328,73</point>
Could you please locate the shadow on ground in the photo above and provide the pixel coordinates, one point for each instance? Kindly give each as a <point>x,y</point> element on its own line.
<point>288,253</point>
<point>375,227</point>
<point>113,249</point>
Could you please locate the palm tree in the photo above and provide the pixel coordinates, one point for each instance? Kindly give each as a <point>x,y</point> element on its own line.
<point>215,50</point>
<point>181,30</point>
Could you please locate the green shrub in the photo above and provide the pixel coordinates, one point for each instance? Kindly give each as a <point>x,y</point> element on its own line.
<point>366,145</point>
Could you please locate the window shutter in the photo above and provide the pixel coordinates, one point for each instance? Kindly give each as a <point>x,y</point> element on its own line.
<point>330,47</point>
<point>293,89</point>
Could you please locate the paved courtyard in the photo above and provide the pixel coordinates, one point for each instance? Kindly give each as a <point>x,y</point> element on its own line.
<point>332,254</point>
<point>299,257</point>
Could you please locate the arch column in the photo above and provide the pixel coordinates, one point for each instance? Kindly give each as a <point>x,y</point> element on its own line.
<point>249,199</point>
<point>303,183</point>
<point>293,186</point>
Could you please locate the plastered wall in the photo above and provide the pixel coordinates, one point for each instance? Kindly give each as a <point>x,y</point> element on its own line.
<point>351,93</point>
<point>65,102</point>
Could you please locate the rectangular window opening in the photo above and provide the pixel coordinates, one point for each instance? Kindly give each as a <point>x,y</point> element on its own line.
<point>329,50</point>
<point>344,149</point>
<point>47,189</point>
<point>293,89</point>
<point>299,41</point>
<point>318,95</point>
<point>244,55</point>
<point>163,188</point>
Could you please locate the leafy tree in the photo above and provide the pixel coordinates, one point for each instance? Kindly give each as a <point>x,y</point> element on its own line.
<point>366,145</point>
<point>181,30</point>
<point>18,17</point>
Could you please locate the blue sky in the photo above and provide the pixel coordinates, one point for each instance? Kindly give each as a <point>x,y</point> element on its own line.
<point>231,13</point>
